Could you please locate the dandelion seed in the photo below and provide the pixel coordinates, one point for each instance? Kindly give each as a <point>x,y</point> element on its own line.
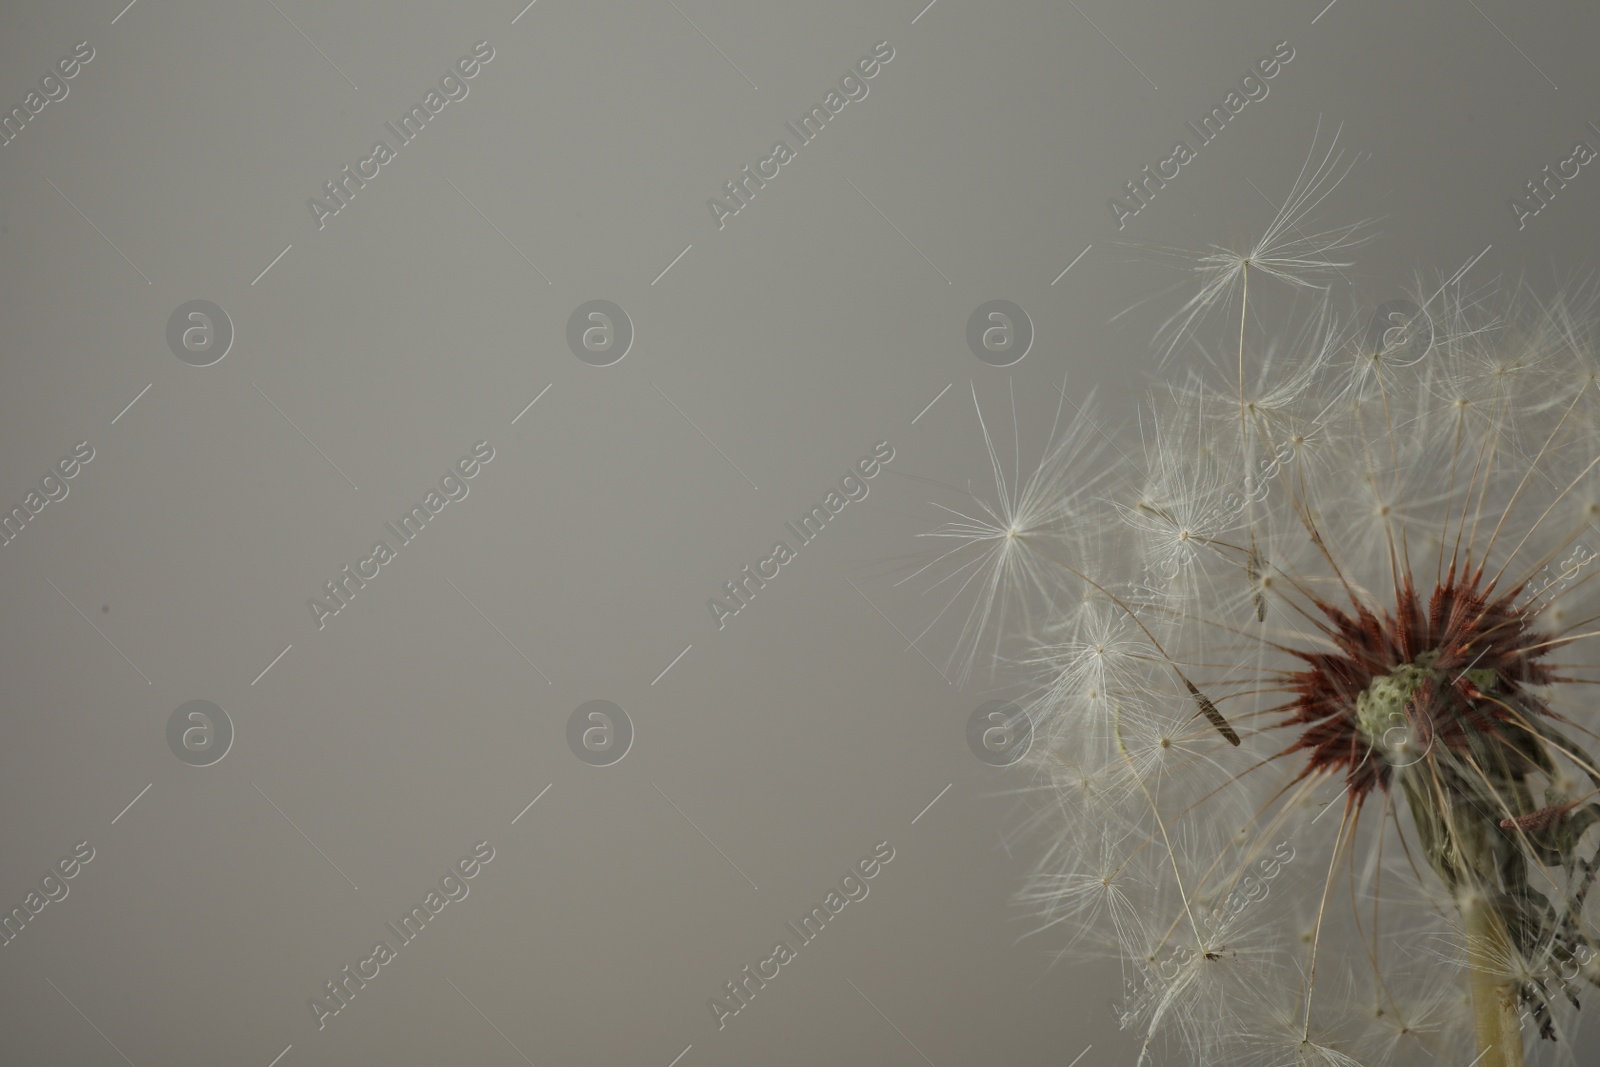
<point>987,565</point>
<point>1253,564</point>
<point>1284,251</point>
<point>1209,710</point>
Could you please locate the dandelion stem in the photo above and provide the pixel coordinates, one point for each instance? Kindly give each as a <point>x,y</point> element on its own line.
<point>1494,996</point>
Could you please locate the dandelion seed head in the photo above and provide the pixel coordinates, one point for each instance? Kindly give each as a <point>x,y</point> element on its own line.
<point>1313,649</point>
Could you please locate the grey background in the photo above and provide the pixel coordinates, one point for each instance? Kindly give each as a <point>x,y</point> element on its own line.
<point>795,338</point>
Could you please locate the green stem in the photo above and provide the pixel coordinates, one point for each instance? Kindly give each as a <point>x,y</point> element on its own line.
<point>1495,1019</point>
<point>1460,848</point>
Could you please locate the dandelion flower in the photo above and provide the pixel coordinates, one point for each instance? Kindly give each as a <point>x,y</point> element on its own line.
<point>1314,693</point>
